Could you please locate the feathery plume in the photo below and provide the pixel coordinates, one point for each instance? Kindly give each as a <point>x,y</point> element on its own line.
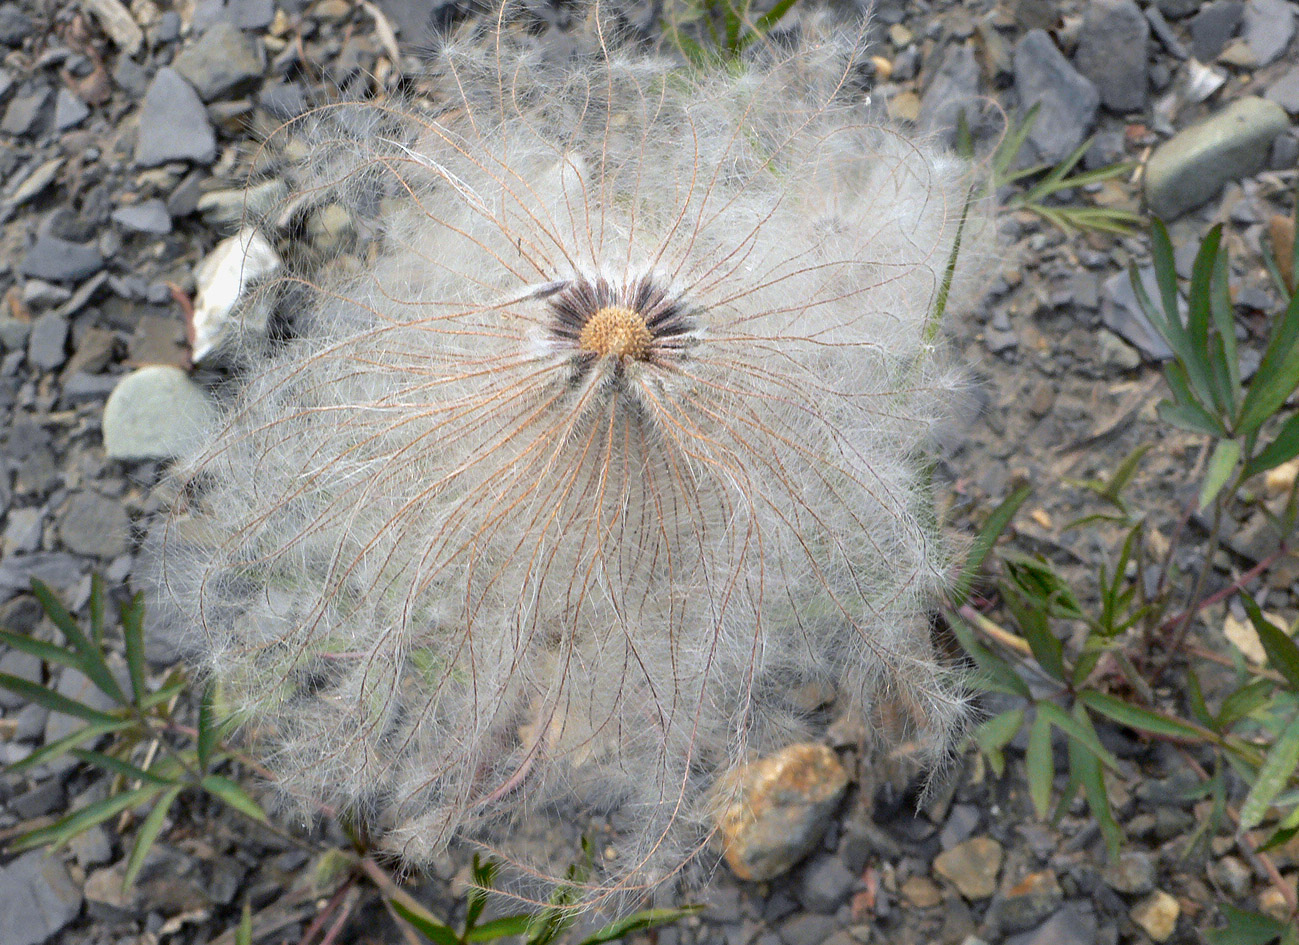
<point>616,438</point>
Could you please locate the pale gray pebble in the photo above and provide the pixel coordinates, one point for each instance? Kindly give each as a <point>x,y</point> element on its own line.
<point>826,884</point>
<point>94,525</point>
<point>807,929</point>
<point>58,260</point>
<point>1165,34</point>
<point>29,723</point>
<point>1112,53</point>
<point>225,62</point>
<point>91,848</point>
<point>1213,26</point>
<point>15,25</point>
<point>155,412</point>
<point>24,111</point>
<point>37,899</point>
<point>47,344</point>
<point>1121,314</point>
<point>1074,924</point>
<point>149,216</point>
<point>23,531</point>
<point>1285,91</point>
<point>1268,29</point>
<point>69,111</point>
<point>19,664</point>
<point>953,90</point>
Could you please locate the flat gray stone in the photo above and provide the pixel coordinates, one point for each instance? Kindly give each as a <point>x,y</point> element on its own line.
<point>37,899</point>
<point>1285,91</point>
<point>1213,26</point>
<point>20,664</point>
<point>1268,28</point>
<point>1191,168</point>
<point>156,412</point>
<point>69,111</point>
<point>1123,315</point>
<point>225,62</point>
<point>1068,100</point>
<point>25,108</point>
<point>149,216</point>
<point>58,260</point>
<point>46,345</point>
<point>92,524</point>
<point>174,125</point>
<point>1112,53</point>
<point>953,90</point>
<point>1074,924</point>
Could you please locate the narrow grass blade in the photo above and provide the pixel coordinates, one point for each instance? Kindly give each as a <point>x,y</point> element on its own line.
<point>148,833</point>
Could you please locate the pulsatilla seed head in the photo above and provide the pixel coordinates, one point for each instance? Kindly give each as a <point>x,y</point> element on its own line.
<point>615,331</point>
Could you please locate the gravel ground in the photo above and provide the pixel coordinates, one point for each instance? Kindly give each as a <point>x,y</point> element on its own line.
<point>126,135</point>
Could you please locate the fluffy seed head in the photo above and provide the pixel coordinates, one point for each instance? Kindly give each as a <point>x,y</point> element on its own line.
<point>611,441</point>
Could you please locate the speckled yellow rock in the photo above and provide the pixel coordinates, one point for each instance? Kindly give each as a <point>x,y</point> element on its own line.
<point>1157,914</point>
<point>779,809</point>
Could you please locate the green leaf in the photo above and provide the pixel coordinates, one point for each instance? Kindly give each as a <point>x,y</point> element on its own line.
<point>118,766</point>
<point>645,919</point>
<point>986,539</point>
<point>997,673</point>
<point>1283,448</point>
<point>1078,731</point>
<point>765,23</point>
<point>1277,374</point>
<point>133,635</point>
<point>1282,652</point>
<point>1244,702</point>
<point>1086,769</point>
<point>1224,320</point>
<point>1040,764</point>
<point>244,934</point>
<point>1222,463</point>
<point>500,928</point>
<point>484,879</point>
<point>424,923</point>
<point>208,730</point>
<point>993,735</point>
<point>1245,928</point>
<point>1190,416</point>
<point>82,820</point>
<point>42,695</point>
<point>1136,717</point>
<point>148,833</point>
<point>1195,696</point>
<point>1013,143</point>
<point>40,649</point>
<point>1161,250</point>
<point>232,794</point>
<point>97,610</point>
<point>1278,768</point>
<point>935,319</point>
<point>92,657</point>
<point>1285,831</point>
<point>69,742</point>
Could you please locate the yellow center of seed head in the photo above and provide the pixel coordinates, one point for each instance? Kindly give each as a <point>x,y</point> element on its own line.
<point>617,331</point>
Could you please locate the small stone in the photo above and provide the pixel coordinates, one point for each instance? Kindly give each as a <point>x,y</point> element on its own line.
<point>1285,91</point>
<point>91,847</point>
<point>1268,29</point>
<point>1068,101</point>
<point>92,524</point>
<point>808,929</point>
<point>37,899</point>
<point>39,294</point>
<point>1233,876</point>
<point>1112,52</point>
<point>15,662</point>
<point>921,892</point>
<point>1192,167</point>
<point>952,92</point>
<point>1133,874</point>
<point>75,685</point>
<point>149,216</point>
<point>971,867</point>
<point>47,342</point>
<point>251,14</point>
<point>15,25</point>
<point>1157,915</point>
<point>1213,27</point>
<point>24,110</point>
<point>156,412</point>
<point>1176,9</point>
<point>60,260</point>
<point>224,63</point>
<point>283,99</point>
<point>826,884</point>
<point>1164,33</point>
<point>780,807</point>
<point>35,183</point>
<point>330,228</point>
<point>1028,902</point>
<point>174,125</point>
<point>69,111</point>
<point>1074,924</point>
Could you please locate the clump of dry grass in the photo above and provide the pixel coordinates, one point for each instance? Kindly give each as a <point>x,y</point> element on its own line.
<point>616,440</point>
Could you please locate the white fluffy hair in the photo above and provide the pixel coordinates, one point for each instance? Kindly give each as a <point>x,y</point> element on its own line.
<point>458,565</point>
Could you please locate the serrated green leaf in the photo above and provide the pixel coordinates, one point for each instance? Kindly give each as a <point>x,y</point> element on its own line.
<point>79,821</point>
<point>233,795</point>
<point>1190,416</point>
<point>148,833</point>
<point>1222,463</point>
<point>423,922</point>
<point>645,919</point>
<point>1224,320</point>
<point>1284,832</point>
<point>1039,762</point>
<point>1161,251</point>
<point>92,662</point>
<point>1277,770</point>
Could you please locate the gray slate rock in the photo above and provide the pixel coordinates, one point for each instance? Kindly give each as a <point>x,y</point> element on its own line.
<point>225,62</point>
<point>1191,167</point>
<point>69,111</point>
<point>953,89</point>
<point>1213,26</point>
<point>1074,924</point>
<point>92,524</point>
<point>37,899</point>
<point>15,25</point>
<point>174,125</point>
<point>1112,52</point>
<point>1164,33</point>
<point>1068,101</point>
<point>826,884</point>
<point>1121,314</point>
<point>1176,9</point>
<point>156,412</point>
<point>1268,29</point>
<point>75,685</point>
<point>24,111</point>
<point>47,343</point>
<point>1285,91</point>
<point>24,666</point>
<point>58,260</point>
<point>149,216</point>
